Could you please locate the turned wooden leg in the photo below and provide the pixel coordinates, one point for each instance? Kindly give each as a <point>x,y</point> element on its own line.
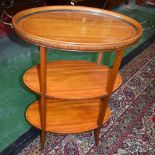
<point>102,111</point>
<point>96,136</point>
<point>43,121</point>
<point>43,93</point>
<point>105,100</point>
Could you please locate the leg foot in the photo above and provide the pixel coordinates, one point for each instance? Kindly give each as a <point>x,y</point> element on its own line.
<point>43,134</point>
<point>96,136</point>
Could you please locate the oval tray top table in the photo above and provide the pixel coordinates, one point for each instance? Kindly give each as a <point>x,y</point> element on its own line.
<point>74,95</point>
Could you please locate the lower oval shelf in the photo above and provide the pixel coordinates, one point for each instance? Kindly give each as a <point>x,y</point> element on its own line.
<point>71,116</point>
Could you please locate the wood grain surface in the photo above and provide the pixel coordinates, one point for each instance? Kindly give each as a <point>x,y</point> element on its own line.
<point>72,79</point>
<point>76,28</point>
<point>67,116</point>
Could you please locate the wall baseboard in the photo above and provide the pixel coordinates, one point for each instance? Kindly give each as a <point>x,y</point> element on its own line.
<point>15,147</point>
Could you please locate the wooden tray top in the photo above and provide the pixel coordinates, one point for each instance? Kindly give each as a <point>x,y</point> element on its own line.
<point>76,28</point>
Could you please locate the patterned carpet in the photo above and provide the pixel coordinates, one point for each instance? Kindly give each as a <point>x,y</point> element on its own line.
<point>131,129</point>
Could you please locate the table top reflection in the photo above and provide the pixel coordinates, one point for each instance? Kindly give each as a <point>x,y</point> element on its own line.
<point>76,28</point>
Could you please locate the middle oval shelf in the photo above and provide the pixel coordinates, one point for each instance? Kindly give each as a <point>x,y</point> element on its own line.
<point>72,79</point>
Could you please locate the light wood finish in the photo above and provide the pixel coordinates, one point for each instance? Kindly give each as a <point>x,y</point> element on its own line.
<point>42,71</point>
<point>99,60</point>
<point>101,116</point>
<point>110,86</point>
<point>67,116</point>
<point>72,79</point>
<point>114,72</point>
<point>76,28</point>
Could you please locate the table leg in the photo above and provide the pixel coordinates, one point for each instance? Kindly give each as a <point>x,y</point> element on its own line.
<point>99,59</point>
<point>102,110</point>
<point>43,58</point>
<point>105,100</point>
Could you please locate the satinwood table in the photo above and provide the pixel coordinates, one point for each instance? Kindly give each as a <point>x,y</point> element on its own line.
<point>74,94</point>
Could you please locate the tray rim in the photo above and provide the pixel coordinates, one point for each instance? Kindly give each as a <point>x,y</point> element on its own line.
<point>74,46</point>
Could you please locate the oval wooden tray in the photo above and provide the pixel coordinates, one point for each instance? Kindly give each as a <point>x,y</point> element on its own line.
<point>76,28</point>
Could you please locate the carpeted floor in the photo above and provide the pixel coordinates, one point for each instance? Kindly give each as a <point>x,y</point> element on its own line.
<point>131,129</point>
